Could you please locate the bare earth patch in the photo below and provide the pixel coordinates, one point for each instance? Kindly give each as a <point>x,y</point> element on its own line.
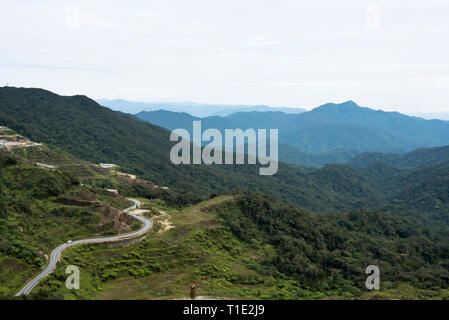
<point>166,225</point>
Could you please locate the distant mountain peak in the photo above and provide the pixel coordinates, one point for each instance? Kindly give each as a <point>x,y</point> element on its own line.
<point>344,106</point>
<point>349,103</point>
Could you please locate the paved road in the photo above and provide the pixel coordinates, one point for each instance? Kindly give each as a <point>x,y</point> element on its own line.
<point>56,253</point>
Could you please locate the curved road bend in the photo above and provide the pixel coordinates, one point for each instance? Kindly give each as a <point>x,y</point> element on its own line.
<point>56,253</point>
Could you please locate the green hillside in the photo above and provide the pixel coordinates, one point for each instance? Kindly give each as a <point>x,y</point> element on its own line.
<point>41,208</point>
<point>251,246</point>
<point>330,251</point>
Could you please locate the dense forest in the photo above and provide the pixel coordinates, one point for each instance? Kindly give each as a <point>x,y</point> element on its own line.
<point>332,251</point>
<point>422,157</point>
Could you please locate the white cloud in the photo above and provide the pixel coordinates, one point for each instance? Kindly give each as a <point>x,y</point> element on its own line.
<point>430,3</point>
<point>259,40</point>
<point>75,18</point>
<point>372,20</point>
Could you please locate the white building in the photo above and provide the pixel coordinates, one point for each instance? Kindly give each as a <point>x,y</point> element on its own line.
<point>107,165</point>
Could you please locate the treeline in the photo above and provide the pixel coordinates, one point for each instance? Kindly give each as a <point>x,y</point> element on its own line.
<point>173,198</point>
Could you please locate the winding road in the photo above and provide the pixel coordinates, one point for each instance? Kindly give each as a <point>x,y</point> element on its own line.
<point>56,253</point>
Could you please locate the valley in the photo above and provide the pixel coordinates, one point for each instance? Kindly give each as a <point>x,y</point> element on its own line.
<point>303,233</point>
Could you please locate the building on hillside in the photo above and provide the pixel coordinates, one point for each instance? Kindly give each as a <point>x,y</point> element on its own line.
<point>9,139</point>
<point>107,165</point>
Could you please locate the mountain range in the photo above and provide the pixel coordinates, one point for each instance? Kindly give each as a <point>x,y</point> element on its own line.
<point>193,108</point>
<point>94,133</point>
<point>327,134</point>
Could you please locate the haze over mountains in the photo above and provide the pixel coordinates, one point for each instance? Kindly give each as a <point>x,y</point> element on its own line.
<point>193,108</point>
<point>430,116</point>
<point>328,134</point>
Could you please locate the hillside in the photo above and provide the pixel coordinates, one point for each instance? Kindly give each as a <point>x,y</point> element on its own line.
<point>48,197</point>
<point>82,127</point>
<point>330,251</point>
<point>42,206</point>
<point>94,133</point>
<point>250,246</point>
<point>253,247</point>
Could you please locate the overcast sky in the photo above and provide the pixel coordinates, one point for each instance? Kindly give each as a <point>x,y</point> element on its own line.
<point>391,55</point>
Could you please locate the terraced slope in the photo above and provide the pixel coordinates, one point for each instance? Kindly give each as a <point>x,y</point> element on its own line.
<point>41,207</point>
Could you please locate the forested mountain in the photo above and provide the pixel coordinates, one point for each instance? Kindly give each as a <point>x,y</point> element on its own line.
<point>287,152</point>
<point>92,132</point>
<point>422,157</point>
<point>328,134</point>
<point>330,251</point>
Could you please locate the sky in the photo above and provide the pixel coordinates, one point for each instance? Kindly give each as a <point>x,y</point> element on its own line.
<point>390,55</point>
